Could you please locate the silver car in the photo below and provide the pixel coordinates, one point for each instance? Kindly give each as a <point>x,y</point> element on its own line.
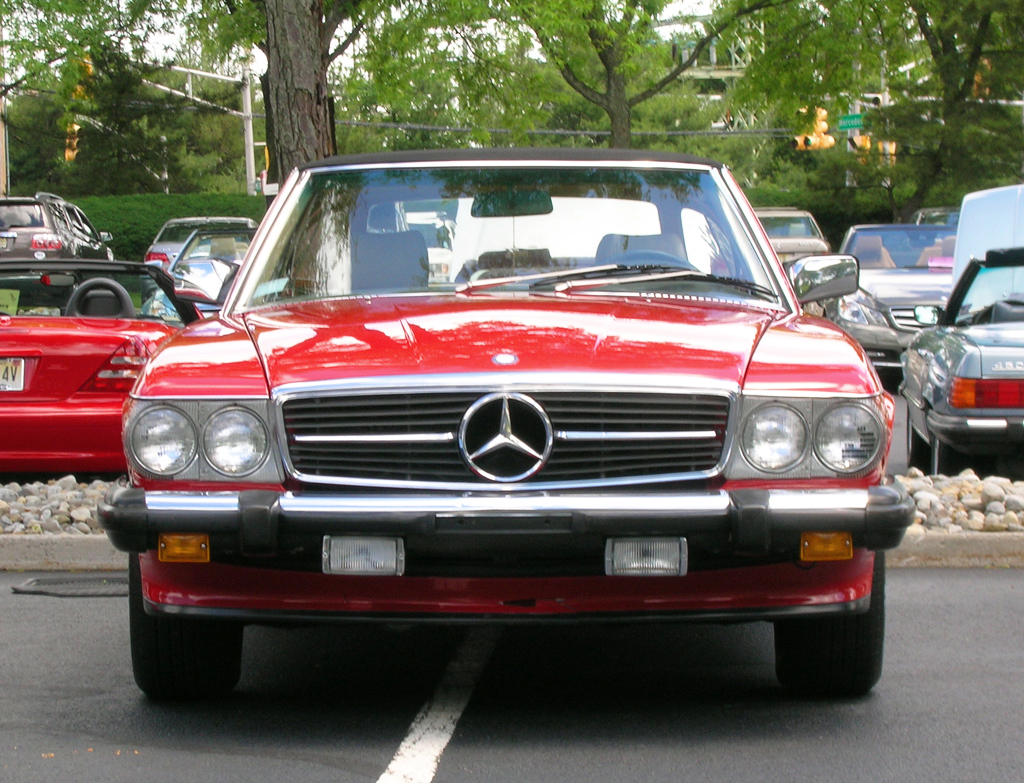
<point>792,232</point>
<point>964,379</point>
<point>170,239</point>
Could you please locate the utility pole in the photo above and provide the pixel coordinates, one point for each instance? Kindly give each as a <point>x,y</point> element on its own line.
<point>4,155</point>
<point>250,154</point>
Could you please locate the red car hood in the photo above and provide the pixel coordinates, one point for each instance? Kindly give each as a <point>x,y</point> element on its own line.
<point>349,338</point>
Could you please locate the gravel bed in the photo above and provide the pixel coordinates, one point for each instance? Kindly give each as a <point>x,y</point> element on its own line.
<point>54,507</point>
<point>945,504</point>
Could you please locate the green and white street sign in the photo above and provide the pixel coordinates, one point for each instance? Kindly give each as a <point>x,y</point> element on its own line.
<point>851,122</point>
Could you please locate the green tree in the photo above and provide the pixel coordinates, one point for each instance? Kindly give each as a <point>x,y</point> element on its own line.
<point>943,74</point>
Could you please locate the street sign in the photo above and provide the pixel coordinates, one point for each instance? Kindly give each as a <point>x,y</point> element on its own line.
<point>851,122</point>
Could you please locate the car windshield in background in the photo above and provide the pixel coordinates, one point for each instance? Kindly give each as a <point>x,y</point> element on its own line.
<point>902,246</point>
<point>790,227</point>
<point>359,232</point>
<point>991,285</point>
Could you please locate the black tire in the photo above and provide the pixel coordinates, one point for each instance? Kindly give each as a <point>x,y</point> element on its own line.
<point>837,656</point>
<point>919,452</point>
<point>180,658</point>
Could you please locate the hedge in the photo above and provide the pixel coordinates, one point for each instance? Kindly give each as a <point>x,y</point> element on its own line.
<point>135,220</point>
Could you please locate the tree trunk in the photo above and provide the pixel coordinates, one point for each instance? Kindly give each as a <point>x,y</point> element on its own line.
<point>297,75</point>
<point>619,112</point>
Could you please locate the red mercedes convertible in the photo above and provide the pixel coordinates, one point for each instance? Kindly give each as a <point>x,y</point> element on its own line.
<point>597,399</point>
<point>74,336</point>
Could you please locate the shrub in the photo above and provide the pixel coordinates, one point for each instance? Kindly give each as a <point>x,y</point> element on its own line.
<point>135,220</point>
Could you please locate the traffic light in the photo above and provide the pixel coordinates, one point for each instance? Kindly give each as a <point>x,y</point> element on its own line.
<point>71,143</point>
<point>820,138</point>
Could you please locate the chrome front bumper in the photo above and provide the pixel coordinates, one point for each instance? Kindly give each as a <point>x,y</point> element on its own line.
<point>752,521</point>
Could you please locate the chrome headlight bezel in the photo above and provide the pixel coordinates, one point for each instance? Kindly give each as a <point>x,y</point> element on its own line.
<point>200,413</point>
<point>812,409</point>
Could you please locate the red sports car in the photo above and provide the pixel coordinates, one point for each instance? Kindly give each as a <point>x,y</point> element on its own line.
<point>612,408</point>
<point>74,336</point>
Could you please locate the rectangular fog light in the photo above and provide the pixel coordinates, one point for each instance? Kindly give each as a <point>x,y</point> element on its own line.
<point>364,556</point>
<point>645,557</point>
<point>826,546</point>
<point>183,548</point>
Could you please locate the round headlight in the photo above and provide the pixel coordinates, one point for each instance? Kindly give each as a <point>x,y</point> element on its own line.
<point>774,438</point>
<point>235,441</point>
<point>163,441</point>
<point>848,438</point>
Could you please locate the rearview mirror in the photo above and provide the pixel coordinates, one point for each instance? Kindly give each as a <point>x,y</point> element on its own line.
<point>511,203</point>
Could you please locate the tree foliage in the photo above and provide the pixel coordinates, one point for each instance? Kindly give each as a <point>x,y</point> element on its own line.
<point>941,75</point>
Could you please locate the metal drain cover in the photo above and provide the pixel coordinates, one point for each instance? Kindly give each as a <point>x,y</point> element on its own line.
<point>75,586</point>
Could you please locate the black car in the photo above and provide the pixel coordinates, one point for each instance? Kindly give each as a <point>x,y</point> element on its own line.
<point>47,226</point>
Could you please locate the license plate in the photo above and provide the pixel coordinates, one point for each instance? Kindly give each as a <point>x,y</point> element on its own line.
<point>3,243</point>
<point>12,375</point>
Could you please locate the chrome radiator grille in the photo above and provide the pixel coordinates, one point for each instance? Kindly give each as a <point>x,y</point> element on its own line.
<point>593,435</point>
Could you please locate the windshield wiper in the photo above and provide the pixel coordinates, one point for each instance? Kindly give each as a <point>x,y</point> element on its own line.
<point>658,273</point>
<point>538,277</point>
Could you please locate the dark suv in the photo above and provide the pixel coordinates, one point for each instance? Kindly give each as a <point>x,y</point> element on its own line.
<point>47,226</point>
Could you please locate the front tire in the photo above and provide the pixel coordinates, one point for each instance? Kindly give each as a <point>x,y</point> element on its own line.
<point>834,656</point>
<point>180,658</point>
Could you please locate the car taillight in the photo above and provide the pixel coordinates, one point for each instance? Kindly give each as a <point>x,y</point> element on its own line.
<point>987,393</point>
<point>158,258</point>
<point>119,372</point>
<point>46,242</point>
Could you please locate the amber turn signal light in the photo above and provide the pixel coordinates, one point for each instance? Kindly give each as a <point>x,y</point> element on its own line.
<point>184,548</point>
<point>826,546</point>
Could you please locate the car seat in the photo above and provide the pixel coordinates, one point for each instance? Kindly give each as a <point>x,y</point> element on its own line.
<point>871,253</point>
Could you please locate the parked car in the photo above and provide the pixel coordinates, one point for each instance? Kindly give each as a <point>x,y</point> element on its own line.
<point>74,335</point>
<point>619,414</point>
<point>47,226</point>
<point>902,266</point>
<point>936,216</point>
<point>964,379</point>
<point>794,233</point>
<point>210,257</point>
<point>174,233</point>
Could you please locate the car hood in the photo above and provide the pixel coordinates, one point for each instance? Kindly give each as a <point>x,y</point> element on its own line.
<point>348,338</point>
<point>907,286</point>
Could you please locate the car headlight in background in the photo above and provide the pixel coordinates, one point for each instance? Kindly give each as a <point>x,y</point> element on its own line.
<point>235,441</point>
<point>163,440</point>
<point>847,438</point>
<point>774,438</point>
<point>857,309</point>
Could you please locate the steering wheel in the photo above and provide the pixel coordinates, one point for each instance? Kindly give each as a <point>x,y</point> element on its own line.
<point>649,257</point>
<point>93,298</point>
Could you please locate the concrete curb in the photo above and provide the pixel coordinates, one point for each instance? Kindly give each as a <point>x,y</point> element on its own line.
<point>927,550</point>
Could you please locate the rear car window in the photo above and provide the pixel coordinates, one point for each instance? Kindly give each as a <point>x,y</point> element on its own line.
<point>21,216</point>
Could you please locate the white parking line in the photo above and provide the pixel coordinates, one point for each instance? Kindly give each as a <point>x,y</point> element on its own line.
<point>418,756</point>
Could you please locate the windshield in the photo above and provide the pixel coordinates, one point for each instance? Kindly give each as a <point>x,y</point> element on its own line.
<point>795,226</point>
<point>991,285</point>
<point>896,247</point>
<point>425,230</point>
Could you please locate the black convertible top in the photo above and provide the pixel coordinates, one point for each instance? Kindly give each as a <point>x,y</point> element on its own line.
<point>525,154</point>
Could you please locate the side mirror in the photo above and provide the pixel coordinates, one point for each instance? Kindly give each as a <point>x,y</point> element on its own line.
<point>927,315</point>
<point>824,277</point>
<point>106,236</point>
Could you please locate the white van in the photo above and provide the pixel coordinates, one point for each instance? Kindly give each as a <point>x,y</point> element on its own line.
<point>989,220</point>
